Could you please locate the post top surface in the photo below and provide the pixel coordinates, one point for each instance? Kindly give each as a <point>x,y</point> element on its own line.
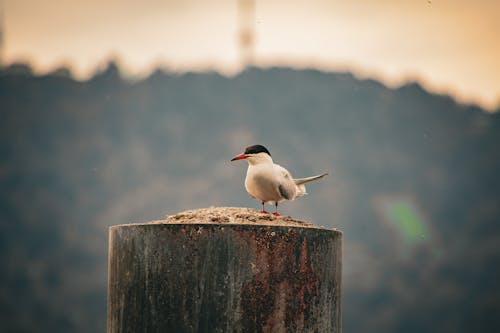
<point>231,216</point>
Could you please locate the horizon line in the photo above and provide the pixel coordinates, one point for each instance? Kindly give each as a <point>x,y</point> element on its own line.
<point>232,71</point>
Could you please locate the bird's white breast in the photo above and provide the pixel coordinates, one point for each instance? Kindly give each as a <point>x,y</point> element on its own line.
<point>262,182</point>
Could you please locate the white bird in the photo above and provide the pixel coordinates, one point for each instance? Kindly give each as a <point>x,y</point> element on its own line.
<point>270,182</point>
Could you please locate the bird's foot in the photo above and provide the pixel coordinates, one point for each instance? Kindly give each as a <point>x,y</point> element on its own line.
<point>264,212</point>
<point>276,214</point>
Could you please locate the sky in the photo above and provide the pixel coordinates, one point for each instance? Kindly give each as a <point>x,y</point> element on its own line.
<point>449,46</point>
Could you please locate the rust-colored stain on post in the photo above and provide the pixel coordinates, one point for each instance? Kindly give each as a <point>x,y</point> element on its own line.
<point>224,278</point>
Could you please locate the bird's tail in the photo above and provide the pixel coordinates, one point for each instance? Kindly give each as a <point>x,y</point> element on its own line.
<point>301,188</point>
<point>301,181</point>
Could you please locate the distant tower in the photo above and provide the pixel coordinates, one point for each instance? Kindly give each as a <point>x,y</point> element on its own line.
<point>1,33</point>
<point>246,33</point>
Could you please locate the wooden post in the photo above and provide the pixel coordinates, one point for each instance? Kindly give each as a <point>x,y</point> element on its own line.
<point>224,277</point>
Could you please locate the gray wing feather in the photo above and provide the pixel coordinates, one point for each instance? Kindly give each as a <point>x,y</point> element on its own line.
<point>300,181</point>
<point>286,193</point>
<point>286,187</point>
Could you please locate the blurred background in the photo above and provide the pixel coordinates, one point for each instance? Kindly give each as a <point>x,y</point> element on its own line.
<point>114,112</point>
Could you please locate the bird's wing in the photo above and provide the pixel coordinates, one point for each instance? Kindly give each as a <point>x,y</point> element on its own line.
<point>285,192</point>
<point>286,185</point>
<point>300,181</point>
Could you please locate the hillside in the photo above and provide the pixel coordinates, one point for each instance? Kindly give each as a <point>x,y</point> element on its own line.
<point>414,186</point>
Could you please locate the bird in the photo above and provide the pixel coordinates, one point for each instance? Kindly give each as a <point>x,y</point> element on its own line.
<point>270,182</point>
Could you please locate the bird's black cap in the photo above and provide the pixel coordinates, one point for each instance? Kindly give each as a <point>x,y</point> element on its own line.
<point>255,149</point>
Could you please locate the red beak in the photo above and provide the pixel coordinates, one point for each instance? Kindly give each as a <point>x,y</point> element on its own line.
<point>239,157</point>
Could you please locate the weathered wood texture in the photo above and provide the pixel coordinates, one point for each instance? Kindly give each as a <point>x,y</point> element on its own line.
<point>224,278</point>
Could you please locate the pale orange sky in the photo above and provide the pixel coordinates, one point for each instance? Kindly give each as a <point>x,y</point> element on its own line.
<point>450,46</point>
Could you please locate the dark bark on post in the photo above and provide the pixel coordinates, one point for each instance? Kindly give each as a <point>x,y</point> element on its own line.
<point>224,278</point>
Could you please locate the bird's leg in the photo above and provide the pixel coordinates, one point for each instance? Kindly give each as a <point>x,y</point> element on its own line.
<point>276,211</point>
<point>263,211</point>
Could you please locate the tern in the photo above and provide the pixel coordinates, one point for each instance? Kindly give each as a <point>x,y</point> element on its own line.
<point>270,182</point>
